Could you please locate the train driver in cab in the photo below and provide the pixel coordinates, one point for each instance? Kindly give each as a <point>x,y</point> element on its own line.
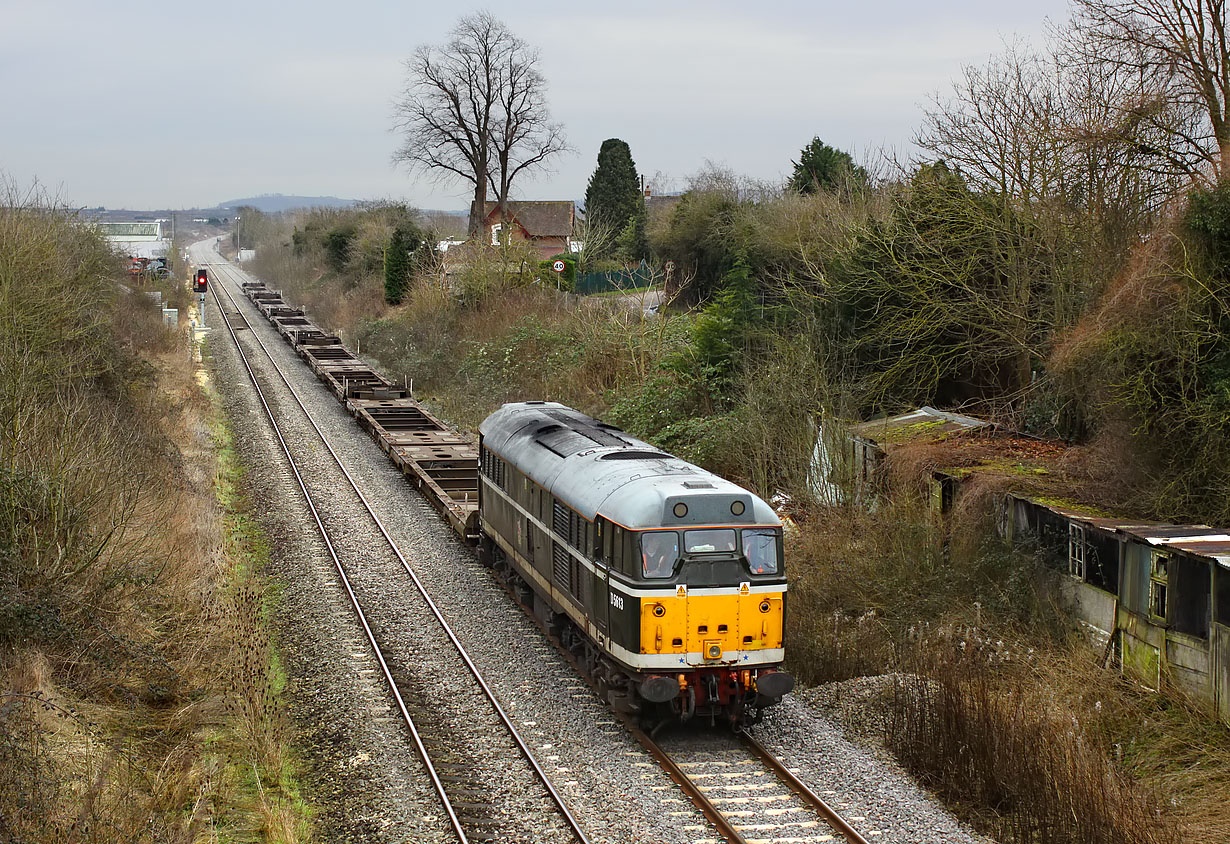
<point>659,551</point>
<point>760,549</point>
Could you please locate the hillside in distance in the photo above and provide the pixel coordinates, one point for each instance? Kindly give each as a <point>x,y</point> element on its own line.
<point>273,203</point>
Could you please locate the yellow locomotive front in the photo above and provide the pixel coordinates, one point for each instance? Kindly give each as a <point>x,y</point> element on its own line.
<point>714,619</point>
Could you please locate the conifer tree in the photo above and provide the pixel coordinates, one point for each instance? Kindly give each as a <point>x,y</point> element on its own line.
<point>822,167</point>
<point>398,262</point>
<point>613,196</point>
<point>632,244</point>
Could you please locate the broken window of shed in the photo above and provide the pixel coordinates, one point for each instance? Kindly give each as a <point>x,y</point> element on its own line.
<point>1189,578</point>
<point>1223,595</point>
<point>1102,560</point>
<point>1158,584</point>
<point>1076,551</point>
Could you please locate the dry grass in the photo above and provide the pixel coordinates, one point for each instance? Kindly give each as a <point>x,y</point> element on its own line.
<point>1004,710</point>
<point>1000,742</point>
<point>113,585</point>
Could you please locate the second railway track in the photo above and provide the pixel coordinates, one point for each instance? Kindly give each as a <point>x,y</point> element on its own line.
<point>471,761</point>
<point>747,796</point>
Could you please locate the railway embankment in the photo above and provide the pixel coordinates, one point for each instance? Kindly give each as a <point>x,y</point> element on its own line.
<point>139,691</point>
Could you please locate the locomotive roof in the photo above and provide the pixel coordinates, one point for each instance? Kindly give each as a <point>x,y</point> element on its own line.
<point>597,468</point>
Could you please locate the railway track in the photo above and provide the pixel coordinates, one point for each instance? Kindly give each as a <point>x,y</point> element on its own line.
<point>462,787</point>
<point>746,794</point>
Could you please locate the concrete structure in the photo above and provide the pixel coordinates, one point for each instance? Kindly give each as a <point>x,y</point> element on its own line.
<point>136,240</point>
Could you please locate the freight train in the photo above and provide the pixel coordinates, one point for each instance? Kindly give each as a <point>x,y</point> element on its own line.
<point>666,581</point>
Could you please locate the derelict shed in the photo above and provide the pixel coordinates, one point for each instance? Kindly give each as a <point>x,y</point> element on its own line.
<point>1084,545</point>
<point>1157,595</point>
<point>1169,619</point>
<point>868,443</point>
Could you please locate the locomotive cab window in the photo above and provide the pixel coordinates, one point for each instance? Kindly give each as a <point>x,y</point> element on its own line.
<point>712,541</point>
<point>760,550</point>
<point>659,553</point>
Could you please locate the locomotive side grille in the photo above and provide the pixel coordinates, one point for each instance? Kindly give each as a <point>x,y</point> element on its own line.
<point>561,568</point>
<point>560,523</point>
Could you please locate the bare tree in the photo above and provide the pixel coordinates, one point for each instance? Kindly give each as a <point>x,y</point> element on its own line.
<point>525,138</point>
<point>1116,133</point>
<point>1054,128</point>
<point>999,126</point>
<point>1177,53</point>
<point>596,239</point>
<point>474,109</point>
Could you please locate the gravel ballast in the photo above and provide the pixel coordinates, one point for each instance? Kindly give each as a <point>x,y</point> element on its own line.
<point>368,782</point>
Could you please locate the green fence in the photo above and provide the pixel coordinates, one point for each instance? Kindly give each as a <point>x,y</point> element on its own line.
<point>589,284</point>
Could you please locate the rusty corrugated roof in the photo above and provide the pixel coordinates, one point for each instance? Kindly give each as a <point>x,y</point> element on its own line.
<point>1191,539</point>
<point>1200,540</point>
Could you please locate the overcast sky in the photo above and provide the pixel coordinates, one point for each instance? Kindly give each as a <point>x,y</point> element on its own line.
<point>131,104</point>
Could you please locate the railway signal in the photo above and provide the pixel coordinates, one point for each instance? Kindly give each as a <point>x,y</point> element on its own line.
<point>201,283</point>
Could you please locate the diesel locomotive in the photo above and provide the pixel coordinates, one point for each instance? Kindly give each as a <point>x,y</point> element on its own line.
<point>666,580</point>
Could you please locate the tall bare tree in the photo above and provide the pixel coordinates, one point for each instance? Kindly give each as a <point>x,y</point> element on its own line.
<point>1177,52</point>
<point>525,138</point>
<point>475,109</point>
<point>999,126</point>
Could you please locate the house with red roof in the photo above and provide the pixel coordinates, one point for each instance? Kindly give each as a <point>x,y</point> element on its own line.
<point>546,226</point>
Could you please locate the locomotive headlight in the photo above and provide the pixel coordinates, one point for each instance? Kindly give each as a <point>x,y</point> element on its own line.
<point>659,610</point>
<point>764,606</point>
<point>713,650</point>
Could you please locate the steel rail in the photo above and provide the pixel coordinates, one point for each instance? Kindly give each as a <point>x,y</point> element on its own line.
<point>337,563</point>
<point>694,792</point>
<point>699,799</point>
<point>690,789</point>
<point>422,590</point>
<point>800,788</point>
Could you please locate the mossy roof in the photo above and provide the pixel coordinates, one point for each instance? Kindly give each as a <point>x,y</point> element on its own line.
<point>926,424</point>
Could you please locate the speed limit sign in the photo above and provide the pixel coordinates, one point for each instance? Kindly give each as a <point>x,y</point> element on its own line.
<point>558,266</point>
